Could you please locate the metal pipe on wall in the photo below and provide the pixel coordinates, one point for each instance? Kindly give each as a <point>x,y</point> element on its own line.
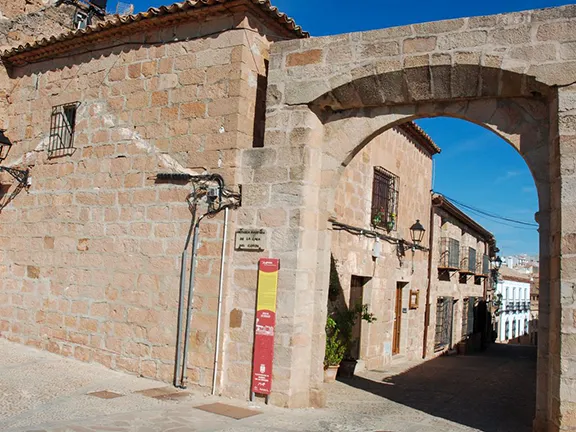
<point>190,303</point>
<point>429,286</point>
<point>182,299</point>
<point>220,295</point>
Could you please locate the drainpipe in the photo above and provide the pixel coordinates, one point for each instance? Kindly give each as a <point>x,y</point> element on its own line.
<point>429,287</point>
<point>190,303</point>
<point>220,295</point>
<point>182,297</point>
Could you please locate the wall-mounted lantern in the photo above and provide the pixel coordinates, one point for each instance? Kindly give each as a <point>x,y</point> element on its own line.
<point>417,232</point>
<point>497,263</point>
<point>5,145</point>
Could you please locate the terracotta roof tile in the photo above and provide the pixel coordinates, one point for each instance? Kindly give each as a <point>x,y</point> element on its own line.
<point>507,273</point>
<point>116,21</point>
<point>439,200</point>
<point>422,137</point>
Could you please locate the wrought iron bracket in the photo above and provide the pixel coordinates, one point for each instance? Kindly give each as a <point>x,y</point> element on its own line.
<point>21,176</point>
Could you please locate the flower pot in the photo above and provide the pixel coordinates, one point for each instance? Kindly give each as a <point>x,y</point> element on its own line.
<point>346,369</point>
<point>330,373</point>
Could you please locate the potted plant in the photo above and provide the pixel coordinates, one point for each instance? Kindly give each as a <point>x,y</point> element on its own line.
<point>391,223</point>
<point>345,321</point>
<point>335,351</point>
<point>381,218</point>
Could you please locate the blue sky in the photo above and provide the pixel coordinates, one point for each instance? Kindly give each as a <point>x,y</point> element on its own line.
<point>475,167</point>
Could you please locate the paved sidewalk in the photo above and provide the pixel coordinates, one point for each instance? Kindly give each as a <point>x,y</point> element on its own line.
<point>492,392</point>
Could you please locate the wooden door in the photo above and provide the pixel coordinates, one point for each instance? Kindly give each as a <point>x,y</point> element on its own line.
<point>397,320</point>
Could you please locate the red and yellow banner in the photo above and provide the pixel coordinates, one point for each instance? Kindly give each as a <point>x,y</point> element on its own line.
<point>265,323</point>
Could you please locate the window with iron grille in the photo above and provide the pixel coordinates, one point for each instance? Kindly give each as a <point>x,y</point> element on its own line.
<point>485,264</point>
<point>443,335</point>
<point>449,253</point>
<point>62,124</point>
<point>468,316</point>
<point>507,330</point>
<point>471,260</point>
<point>384,199</point>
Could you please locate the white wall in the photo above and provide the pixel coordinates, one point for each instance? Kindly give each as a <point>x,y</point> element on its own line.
<point>512,292</point>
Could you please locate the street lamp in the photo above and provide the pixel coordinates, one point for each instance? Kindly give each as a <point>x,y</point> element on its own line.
<point>497,263</point>
<point>417,232</point>
<point>5,145</point>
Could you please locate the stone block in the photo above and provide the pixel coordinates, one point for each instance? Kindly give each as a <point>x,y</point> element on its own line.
<point>439,26</point>
<point>563,31</point>
<point>419,44</point>
<point>304,58</point>
<point>462,40</point>
<point>387,33</point>
<point>379,49</point>
<point>510,36</point>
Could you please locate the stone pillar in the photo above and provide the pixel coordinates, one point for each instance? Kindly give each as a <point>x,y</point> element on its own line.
<point>542,393</point>
<point>562,289</point>
<point>281,184</point>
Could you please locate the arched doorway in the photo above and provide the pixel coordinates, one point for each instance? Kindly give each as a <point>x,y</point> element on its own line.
<point>451,303</point>
<point>328,97</point>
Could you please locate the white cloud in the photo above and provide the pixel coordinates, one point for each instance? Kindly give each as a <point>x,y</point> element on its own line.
<point>507,176</point>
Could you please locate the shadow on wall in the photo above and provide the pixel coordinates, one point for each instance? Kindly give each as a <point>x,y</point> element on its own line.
<point>492,391</point>
<point>8,192</point>
<point>520,340</point>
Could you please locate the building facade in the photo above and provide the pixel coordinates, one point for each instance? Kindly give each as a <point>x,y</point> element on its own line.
<point>459,279</point>
<point>92,239</point>
<point>91,253</point>
<point>383,191</point>
<point>514,290</point>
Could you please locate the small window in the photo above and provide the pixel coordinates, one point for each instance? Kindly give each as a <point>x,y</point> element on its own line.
<point>62,126</point>
<point>81,20</point>
<point>384,199</point>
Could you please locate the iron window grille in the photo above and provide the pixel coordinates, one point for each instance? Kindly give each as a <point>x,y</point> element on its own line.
<point>472,260</point>
<point>62,125</point>
<point>468,261</point>
<point>485,265</point>
<point>449,253</point>
<point>443,334</point>
<point>81,20</point>
<point>384,199</point>
<point>468,316</point>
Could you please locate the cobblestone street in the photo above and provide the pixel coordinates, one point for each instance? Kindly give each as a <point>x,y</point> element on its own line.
<point>491,392</point>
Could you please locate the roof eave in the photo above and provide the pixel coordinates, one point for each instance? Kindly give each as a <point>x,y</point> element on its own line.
<point>130,24</point>
<point>440,201</point>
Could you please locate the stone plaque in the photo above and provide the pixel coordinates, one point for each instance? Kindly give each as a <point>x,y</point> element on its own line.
<point>250,240</point>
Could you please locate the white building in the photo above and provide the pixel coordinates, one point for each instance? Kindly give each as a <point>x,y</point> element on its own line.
<point>513,320</point>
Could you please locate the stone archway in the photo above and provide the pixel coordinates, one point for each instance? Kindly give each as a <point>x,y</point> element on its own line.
<point>329,96</point>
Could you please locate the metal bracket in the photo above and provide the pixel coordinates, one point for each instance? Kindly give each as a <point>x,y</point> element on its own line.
<point>21,176</point>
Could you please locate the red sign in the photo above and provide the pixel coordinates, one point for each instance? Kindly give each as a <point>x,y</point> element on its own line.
<point>265,324</point>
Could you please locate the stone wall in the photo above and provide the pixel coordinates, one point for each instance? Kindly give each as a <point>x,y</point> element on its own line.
<point>13,8</point>
<point>398,153</point>
<point>36,23</point>
<point>336,93</point>
<point>91,252</point>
